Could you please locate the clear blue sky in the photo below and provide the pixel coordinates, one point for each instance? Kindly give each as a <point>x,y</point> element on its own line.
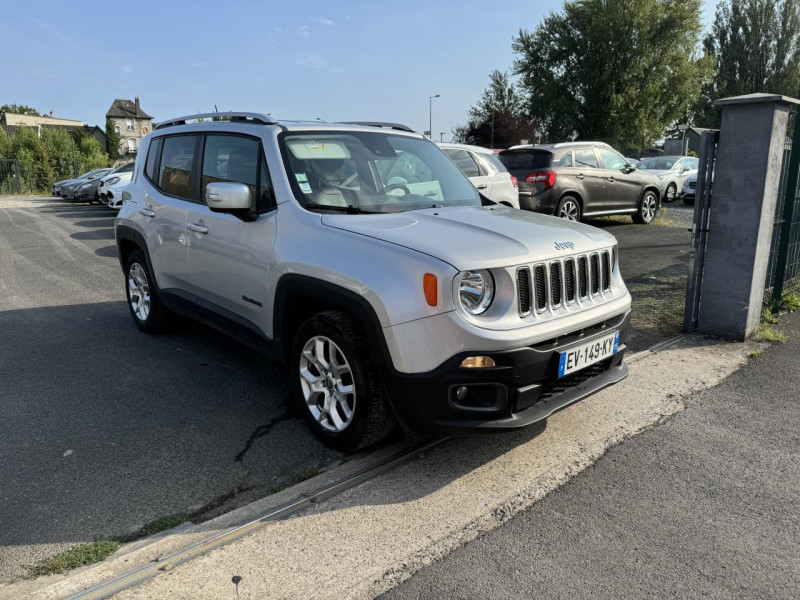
<point>332,60</point>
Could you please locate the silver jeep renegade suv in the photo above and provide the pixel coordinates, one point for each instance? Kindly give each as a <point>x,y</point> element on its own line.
<point>363,258</point>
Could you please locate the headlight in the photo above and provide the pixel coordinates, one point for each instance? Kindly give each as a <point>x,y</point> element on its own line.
<point>86,186</point>
<point>112,181</point>
<point>476,291</point>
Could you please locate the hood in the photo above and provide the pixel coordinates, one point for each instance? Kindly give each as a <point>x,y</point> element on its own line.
<point>477,237</point>
<point>656,172</point>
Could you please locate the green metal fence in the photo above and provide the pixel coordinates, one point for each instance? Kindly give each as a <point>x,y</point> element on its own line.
<point>783,272</point>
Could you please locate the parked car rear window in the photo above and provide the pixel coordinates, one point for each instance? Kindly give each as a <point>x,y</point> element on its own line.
<point>464,161</point>
<point>526,160</point>
<point>177,160</point>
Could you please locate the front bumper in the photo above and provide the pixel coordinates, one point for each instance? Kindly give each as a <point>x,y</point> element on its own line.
<point>521,389</point>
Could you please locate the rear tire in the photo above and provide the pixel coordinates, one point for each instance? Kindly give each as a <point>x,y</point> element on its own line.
<point>336,384</point>
<point>568,208</point>
<point>149,314</point>
<point>648,208</point>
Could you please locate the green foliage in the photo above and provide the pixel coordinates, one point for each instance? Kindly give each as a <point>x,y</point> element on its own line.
<point>791,302</point>
<point>112,140</point>
<point>612,69</point>
<point>92,156</point>
<point>82,554</point>
<point>498,119</point>
<point>60,151</point>
<point>19,109</point>
<point>755,47</point>
<point>766,333</point>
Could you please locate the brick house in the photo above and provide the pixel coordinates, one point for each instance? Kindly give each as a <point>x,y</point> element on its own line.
<point>131,123</point>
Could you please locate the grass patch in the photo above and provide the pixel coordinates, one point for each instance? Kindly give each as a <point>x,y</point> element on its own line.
<point>768,317</point>
<point>791,302</point>
<point>308,474</point>
<point>755,354</point>
<point>766,333</point>
<point>153,527</point>
<point>78,556</point>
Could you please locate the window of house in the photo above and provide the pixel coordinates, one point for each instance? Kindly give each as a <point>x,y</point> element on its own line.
<point>116,129</point>
<point>238,159</point>
<point>131,145</point>
<point>129,124</point>
<point>144,130</point>
<point>175,170</point>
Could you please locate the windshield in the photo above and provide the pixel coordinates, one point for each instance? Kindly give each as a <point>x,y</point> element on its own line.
<point>372,172</point>
<point>658,164</point>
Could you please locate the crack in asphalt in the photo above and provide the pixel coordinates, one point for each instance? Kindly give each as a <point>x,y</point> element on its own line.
<point>261,431</point>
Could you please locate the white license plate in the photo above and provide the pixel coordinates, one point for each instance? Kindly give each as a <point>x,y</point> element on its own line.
<point>587,354</point>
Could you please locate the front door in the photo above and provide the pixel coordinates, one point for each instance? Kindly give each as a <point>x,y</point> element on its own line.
<point>229,258</point>
<point>591,177</point>
<point>622,183</point>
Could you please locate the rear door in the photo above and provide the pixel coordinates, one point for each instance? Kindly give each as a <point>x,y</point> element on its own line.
<point>591,177</point>
<point>165,202</point>
<point>229,258</point>
<point>465,161</point>
<point>622,186</point>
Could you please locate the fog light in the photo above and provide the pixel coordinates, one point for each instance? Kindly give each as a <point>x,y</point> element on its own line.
<point>477,362</point>
<point>461,393</point>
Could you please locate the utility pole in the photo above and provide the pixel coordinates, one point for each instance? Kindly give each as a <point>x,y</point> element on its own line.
<point>441,136</point>
<point>491,145</point>
<point>430,114</point>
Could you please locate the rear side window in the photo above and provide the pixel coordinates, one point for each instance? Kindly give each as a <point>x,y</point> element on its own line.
<point>464,161</point>
<point>152,159</point>
<point>526,160</point>
<point>177,161</point>
<point>238,159</point>
<point>565,160</point>
<point>584,157</point>
<point>493,161</point>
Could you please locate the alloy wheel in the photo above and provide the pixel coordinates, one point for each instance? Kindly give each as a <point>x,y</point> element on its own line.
<point>670,193</point>
<point>139,291</point>
<point>568,211</point>
<point>648,208</point>
<point>327,383</point>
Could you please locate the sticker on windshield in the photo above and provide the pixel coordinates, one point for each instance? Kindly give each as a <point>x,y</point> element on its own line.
<point>302,181</point>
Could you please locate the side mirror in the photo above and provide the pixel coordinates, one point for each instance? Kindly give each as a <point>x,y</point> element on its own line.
<point>227,196</point>
<point>629,168</point>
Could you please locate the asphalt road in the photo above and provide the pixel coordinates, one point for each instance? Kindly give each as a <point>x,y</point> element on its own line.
<point>105,428</point>
<point>704,506</point>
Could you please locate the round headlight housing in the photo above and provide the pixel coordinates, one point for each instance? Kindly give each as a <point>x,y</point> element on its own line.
<point>112,181</point>
<point>476,291</point>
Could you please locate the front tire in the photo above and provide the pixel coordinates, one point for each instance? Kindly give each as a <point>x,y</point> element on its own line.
<point>648,208</point>
<point>671,193</point>
<point>336,384</point>
<point>149,314</point>
<point>569,209</point>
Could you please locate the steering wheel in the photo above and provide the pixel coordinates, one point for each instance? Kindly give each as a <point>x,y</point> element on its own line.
<point>397,186</point>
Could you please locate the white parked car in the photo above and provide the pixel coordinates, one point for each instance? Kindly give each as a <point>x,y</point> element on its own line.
<point>485,171</point>
<point>113,184</point>
<point>672,171</point>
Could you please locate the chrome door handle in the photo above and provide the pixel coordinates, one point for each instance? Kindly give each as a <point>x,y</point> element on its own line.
<point>197,228</point>
<point>610,180</point>
<point>147,212</point>
<point>579,176</point>
<point>482,186</point>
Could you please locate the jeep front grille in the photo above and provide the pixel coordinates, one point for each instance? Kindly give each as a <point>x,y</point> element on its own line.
<point>579,280</point>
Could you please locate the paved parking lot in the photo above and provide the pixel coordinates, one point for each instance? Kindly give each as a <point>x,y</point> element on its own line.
<point>106,428</point>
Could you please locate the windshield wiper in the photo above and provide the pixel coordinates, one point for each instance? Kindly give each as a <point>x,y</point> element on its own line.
<point>350,210</point>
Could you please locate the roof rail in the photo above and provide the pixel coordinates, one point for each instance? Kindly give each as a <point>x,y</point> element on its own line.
<point>258,118</point>
<point>397,126</point>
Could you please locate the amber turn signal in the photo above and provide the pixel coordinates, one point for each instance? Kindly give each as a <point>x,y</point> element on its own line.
<point>430,287</point>
<point>477,362</point>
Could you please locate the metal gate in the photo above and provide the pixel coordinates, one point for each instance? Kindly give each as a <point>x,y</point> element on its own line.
<point>783,272</point>
<point>9,176</point>
<point>702,210</point>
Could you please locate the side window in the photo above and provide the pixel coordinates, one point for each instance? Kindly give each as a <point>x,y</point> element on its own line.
<point>175,170</point>
<point>238,159</point>
<point>612,160</point>
<point>464,162</point>
<point>152,158</point>
<point>584,157</point>
<point>565,160</point>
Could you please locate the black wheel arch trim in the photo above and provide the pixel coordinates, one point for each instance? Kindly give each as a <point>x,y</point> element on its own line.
<point>329,294</point>
<point>128,233</point>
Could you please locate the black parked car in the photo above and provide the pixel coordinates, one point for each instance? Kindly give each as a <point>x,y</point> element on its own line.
<point>582,179</point>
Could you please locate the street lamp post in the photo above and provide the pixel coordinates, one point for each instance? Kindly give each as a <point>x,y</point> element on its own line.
<point>441,136</point>
<point>430,114</point>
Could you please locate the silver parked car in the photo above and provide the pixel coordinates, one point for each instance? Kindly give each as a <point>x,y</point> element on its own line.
<point>672,171</point>
<point>414,303</point>
<point>484,169</point>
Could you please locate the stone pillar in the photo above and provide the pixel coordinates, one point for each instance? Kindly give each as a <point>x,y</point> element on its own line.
<point>744,195</point>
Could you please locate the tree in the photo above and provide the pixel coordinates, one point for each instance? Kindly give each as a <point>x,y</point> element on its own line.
<point>19,109</point>
<point>755,46</point>
<point>616,70</point>
<point>60,152</point>
<point>112,140</point>
<point>497,119</point>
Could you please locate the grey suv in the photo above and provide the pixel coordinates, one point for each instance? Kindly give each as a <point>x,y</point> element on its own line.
<point>582,179</point>
<point>364,259</point>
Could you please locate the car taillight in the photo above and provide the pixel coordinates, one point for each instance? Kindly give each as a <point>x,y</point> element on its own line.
<point>548,178</point>
<point>514,181</point>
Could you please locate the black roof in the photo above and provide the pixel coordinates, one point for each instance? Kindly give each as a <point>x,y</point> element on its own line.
<point>126,109</point>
